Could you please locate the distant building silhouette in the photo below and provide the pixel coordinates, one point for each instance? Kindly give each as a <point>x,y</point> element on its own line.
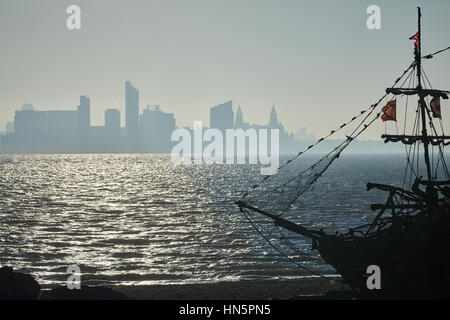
<point>49,131</point>
<point>239,118</point>
<point>71,130</point>
<point>156,130</point>
<point>239,123</point>
<point>112,121</point>
<point>222,116</point>
<point>9,128</point>
<point>273,119</point>
<point>58,131</point>
<point>302,135</point>
<point>30,122</point>
<point>131,109</point>
<point>43,131</point>
<point>84,114</point>
<point>64,123</point>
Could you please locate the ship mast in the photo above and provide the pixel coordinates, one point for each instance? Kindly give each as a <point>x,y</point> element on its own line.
<point>422,104</point>
<point>423,112</point>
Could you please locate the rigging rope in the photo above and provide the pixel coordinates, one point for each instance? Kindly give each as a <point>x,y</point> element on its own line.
<point>441,151</point>
<point>369,110</point>
<point>301,182</point>
<point>251,221</point>
<point>411,77</point>
<point>429,56</point>
<point>288,192</point>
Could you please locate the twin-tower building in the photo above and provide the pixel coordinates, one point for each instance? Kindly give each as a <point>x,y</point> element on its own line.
<point>222,117</point>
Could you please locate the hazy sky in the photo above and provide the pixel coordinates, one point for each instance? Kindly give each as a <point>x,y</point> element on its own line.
<point>315,60</point>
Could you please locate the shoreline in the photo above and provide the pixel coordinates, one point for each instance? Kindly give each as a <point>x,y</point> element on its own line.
<point>240,290</point>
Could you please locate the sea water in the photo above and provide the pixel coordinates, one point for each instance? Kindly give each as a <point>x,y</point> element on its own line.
<point>133,219</point>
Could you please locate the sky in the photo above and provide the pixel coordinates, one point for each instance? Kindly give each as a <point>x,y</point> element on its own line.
<point>316,61</point>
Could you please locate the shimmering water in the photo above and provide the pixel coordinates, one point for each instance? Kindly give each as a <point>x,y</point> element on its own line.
<point>140,219</point>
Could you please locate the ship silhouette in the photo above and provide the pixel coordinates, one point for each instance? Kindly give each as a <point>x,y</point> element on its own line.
<point>409,237</point>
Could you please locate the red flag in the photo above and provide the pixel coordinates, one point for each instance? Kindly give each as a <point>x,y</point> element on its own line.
<point>416,43</point>
<point>389,111</point>
<point>435,105</point>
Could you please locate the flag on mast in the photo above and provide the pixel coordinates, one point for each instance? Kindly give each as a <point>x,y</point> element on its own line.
<point>389,111</point>
<point>416,43</point>
<point>435,105</point>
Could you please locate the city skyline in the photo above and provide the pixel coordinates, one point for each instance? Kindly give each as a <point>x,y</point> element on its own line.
<point>132,102</point>
<point>226,150</point>
<point>84,108</point>
<point>318,63</point>
<point>54,130</point>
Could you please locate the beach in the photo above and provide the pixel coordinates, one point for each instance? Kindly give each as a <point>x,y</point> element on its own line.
<point>240,290</point>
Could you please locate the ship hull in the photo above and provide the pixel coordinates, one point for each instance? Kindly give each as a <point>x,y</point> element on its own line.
<point>413,256</point>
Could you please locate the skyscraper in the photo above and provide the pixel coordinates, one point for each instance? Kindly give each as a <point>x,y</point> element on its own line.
<point>239,123</point>
<point>131,109</point>
<point>56,123</point>
<point>156,129</point>
<point>273,120</point>
<point>84,114</point>
<point>112,121</point>
<point>222,116</point>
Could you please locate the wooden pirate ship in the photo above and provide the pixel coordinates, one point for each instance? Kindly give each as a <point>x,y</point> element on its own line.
<point>409,237</point>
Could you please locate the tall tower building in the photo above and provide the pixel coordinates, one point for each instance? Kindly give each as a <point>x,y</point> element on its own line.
<point>239,123</point>
<point>84,114</point>
<point>131,109</point>
<point>273,120</point>
<point>222,116</point>
<point>157,127</point>
<point>112,121</point>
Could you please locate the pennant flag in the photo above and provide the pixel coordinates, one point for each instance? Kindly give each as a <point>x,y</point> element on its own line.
<point>416,43</point>
<point>435,105</point>
<point>389,111</point>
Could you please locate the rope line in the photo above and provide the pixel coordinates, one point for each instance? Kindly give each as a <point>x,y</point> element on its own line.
<point>307,177</point>
<point>369,110</point>
<point>429,56</point>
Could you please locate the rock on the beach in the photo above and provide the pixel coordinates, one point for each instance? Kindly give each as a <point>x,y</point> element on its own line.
<point>17,285</point>
<point>87,293</point>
